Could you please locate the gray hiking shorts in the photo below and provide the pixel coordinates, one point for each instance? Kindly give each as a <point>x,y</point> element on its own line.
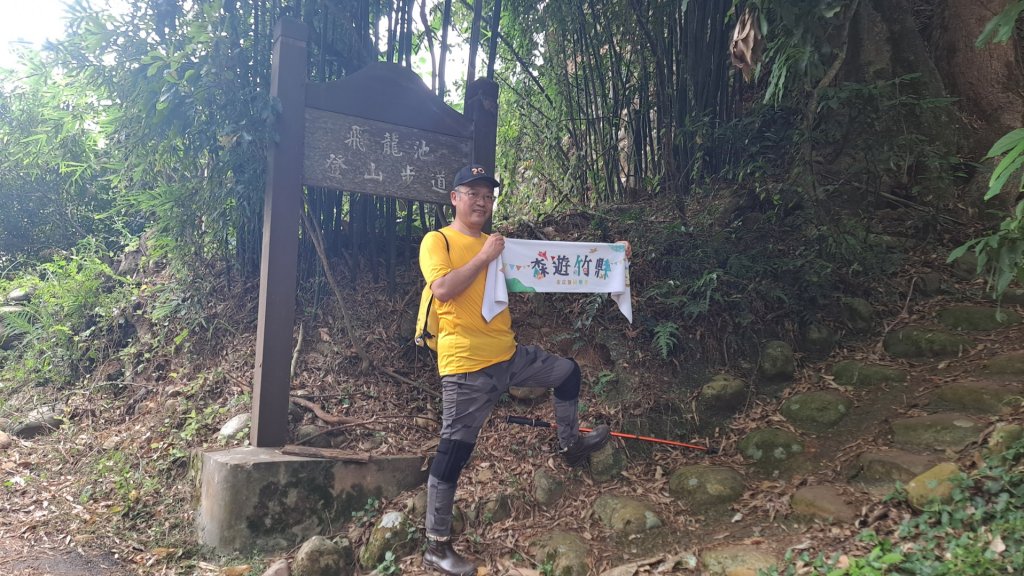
<point>470,397</point>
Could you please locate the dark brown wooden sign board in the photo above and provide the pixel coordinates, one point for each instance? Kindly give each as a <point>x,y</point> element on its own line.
<point>378,131</point>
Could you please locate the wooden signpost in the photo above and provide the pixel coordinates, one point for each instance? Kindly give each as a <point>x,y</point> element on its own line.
<point>379,131</point>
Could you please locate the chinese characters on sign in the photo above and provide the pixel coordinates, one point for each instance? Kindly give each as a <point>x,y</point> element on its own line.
<point>542,266</point>
<point>367,156</point>
<point>577,274</point>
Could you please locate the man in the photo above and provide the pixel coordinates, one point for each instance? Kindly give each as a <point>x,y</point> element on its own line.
<point>479,361</point>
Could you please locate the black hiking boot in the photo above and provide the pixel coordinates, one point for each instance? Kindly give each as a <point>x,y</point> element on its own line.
<point>442,557</point>
<point>585,445</point>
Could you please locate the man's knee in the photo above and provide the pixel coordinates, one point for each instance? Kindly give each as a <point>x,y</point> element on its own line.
<point>451,458</point>
<point>569,389</point>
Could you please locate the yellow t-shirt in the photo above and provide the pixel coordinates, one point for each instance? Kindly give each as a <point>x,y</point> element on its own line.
<point>465,342</point>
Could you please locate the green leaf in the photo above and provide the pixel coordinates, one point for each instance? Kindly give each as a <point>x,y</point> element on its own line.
<point>1008,166</point>
<point>1008,141</point>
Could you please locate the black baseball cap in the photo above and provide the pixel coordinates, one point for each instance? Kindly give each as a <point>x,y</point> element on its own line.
<point>472,173</point>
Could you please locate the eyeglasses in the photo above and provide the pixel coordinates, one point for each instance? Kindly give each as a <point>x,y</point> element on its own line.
<point>475,196</point>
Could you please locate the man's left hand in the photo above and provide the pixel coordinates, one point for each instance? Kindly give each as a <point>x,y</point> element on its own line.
<point>629,248</point>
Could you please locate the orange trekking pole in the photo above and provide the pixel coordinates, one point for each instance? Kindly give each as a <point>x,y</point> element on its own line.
<point>544,424</point>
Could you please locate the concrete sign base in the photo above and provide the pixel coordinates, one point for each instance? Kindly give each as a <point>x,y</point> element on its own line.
<point>259,499</point>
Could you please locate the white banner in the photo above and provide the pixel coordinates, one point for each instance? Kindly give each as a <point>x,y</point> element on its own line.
<point>542,266</point>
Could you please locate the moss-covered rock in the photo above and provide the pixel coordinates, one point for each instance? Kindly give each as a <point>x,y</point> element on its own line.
<point>934,486</point>
<point>818,339</point>
<point>777,362</point>
<point>1011,365</point>
<point>768,448</point>
<point>736,559</point>
<point>318,556</point>
<point>890,466</point>
<point>1003,438</point>
<point>624,515</point>
<point>858,314</point>
<point>704,488</point>
<point>607,463</point>
<point>724,394</point>
<point>979,397</point>
<point>823,503</point>
<point>816,411</point>
<point>393,532</point>
<point>977,318</point>
<point>547,489</point>
<point>566,553</point>
<point>496,509</point>
<point>864,375</point>
<point>919,342</point>
<point>945,431</point>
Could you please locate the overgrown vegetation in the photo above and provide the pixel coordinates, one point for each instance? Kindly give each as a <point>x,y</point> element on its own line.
<point>981,531</point>
<point>753,207</point>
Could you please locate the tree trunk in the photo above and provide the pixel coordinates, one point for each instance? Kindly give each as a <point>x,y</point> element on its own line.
<point>988,81</point>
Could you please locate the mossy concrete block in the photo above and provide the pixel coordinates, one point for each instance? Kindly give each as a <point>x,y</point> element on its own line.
<point>933,487</point>
<point>624,515</point>
<point>816,411</point>
<point>1011,365</point>
<point>979,397</point>
<point>977,318</point>
<point>777,362</point>
<point>607,463</point>
<point>947,431</point>
<point>566,553</point>
<point>864,375</point>
<point>825,503</point>
<point>918,342</point>
<point>858,314</point>
<point>724,394</point>
<point>392,533</point>
<point>736,559</point>
<point>770,447</point>
<point>257,498</point>
<point>706,488</point>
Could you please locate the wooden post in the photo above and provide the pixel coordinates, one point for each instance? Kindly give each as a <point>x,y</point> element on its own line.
<point>282,203</point>
<point>482,109</point>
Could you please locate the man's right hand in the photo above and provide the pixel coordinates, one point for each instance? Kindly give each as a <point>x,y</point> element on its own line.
<point>493,247</point>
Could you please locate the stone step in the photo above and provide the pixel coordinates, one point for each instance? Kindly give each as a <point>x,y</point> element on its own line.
<point>824,503</point>
<point>978,397</point>
<point>944,431</point>
<point>888,466</point>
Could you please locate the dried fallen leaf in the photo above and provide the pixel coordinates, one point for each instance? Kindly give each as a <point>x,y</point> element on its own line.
<point>241,570</point>
<point>997,545</point>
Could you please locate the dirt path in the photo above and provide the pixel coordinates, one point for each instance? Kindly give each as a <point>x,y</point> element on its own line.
<point>21,558</point>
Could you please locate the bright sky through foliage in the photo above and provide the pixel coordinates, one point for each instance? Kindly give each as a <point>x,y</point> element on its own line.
<point>28,22</point>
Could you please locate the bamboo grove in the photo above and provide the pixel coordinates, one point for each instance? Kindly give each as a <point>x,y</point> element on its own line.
<point>600,99</point>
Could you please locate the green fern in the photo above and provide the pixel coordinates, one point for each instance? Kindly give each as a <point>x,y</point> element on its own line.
<point>666,337</point>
